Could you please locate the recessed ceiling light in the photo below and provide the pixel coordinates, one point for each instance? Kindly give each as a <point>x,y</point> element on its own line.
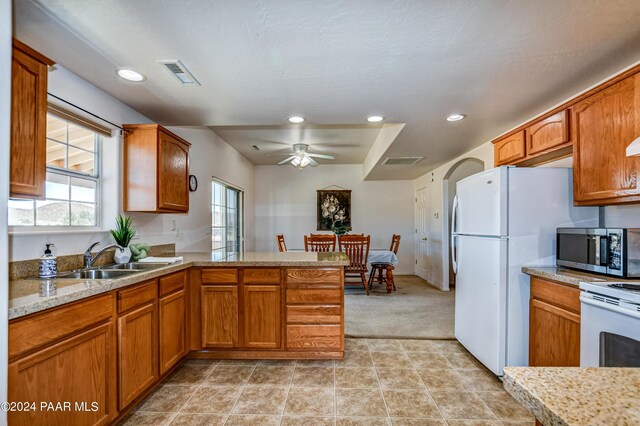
<point>296,119</point>
<point>130,75</point>
<point>455,117</point>
<point>375,118</point>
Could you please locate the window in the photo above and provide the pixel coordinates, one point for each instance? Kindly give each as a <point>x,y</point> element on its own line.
<point>226,221</point>
<point>72,180</point>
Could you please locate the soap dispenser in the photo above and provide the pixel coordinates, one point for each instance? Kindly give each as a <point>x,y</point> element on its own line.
<point>48,264</point>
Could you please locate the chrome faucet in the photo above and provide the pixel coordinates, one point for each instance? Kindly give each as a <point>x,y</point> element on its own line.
<point>89,261</point>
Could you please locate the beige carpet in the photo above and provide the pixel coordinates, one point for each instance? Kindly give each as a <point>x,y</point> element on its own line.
<point>415,310</point>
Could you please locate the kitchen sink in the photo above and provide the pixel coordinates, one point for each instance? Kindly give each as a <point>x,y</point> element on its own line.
<point>137,266</point>
<point>96,274</point>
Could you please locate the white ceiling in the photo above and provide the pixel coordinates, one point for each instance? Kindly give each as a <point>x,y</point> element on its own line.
<point>335,62</point>
<point>349,144</point>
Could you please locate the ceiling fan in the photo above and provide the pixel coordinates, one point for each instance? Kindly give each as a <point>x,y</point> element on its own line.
<point>301,158</point>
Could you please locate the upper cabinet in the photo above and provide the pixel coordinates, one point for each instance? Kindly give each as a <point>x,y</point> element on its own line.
<point>509,149</point>
<point>603,125</point>
<point>156,170</point>
<point>28,122</point>
<point>540,141</point>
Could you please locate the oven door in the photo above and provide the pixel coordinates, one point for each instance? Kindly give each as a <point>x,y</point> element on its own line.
<point>609,332</point>
<point>583,248</point>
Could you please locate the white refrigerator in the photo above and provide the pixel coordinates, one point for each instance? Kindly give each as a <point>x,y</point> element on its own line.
<point>502,219</point>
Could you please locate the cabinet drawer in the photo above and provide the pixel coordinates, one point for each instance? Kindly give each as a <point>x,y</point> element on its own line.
<point>140,294</point>
<point>38,330</point>
<point>219,276</point>
<point>314,337</point>
<point>314,314</point>
<point>172,283</point>
<point>316,277</point>
<point>261,276</point>
<point>317,296</point>
<point>557,294</point>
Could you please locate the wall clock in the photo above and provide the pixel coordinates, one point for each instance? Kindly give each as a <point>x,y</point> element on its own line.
<point>193,183</point>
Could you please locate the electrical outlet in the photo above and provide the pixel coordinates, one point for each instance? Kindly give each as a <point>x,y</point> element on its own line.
<point>172,225</point>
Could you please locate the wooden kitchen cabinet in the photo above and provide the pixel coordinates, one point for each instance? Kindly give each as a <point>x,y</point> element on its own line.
<point>172,308</point>
<point>137,341</point>
<point>28,122</point>
<point>65,354</point>
<point>262,313</point>
<point>603,125</point>
<point>549,133</point>
<point>156,170</point>
<point>509,149</point>
<point>219,313</point>
<point>554,324</point>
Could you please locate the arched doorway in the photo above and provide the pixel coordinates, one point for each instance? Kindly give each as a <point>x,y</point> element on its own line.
<point>460,170</point>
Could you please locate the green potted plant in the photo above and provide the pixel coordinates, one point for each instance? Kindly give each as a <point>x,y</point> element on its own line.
<point>122,235</point>
<point>340,229</point>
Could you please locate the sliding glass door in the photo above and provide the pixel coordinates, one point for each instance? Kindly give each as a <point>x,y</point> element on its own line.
<point>226,221</point>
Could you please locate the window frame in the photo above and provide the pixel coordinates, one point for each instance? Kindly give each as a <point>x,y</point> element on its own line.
<point>97,178</point>
<point>240,216</point>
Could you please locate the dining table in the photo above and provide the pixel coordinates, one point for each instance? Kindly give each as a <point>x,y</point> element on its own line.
<point>376,256</point>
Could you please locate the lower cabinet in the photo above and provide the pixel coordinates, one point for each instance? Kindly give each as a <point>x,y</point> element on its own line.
<point>138,344</point>
<point>262,312</point>
<point>173,329</point>
<point>78,370</point>
<point>219,313</point>
<point>554,325</point>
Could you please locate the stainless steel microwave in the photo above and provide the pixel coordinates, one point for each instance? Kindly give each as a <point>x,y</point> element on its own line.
<point>611,251</point>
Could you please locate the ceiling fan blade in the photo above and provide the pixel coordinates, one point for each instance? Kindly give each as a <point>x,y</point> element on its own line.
<point>287,160</point>
<point>326,157</point>
<point>279,154</point>
<point>313,163</point>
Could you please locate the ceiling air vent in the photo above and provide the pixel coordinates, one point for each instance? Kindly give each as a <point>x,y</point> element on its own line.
<point>401,161</point>
<point>180,72</point>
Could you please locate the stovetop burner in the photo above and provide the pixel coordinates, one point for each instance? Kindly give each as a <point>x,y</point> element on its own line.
<point>625,286</point>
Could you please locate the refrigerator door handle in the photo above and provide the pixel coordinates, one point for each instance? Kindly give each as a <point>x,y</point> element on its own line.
<point>454,262</point>
<point>454,214</point>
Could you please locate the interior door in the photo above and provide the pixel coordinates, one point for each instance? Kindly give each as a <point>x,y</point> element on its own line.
<point>422,233</point>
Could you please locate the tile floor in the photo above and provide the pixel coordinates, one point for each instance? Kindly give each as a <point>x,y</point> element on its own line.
<point>380,382</point>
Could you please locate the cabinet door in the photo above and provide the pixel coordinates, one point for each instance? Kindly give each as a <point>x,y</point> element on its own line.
<point>554,336</point>
<point>138,352</point>
<point>173,330</point>
<point>28,126</point>
<point>603,125</point>
<point>78,370</point>
<point>173,174</point>
<point>509,149</point>
<point>549,133</point>
<point>219,316</point>
<point>262,312</point>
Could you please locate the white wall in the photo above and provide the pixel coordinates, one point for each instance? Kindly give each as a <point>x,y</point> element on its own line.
<point>438,242</point>
<point>285,203</point>
<point>209,156</point>
<point>5,119</point>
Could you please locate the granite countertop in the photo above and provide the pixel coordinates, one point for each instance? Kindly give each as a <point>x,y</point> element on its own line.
<point>568,276</point>
<point>577,396</point>
<point>25,294</point>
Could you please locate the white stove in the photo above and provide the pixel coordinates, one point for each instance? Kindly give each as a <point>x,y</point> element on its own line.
<point>610,324</point>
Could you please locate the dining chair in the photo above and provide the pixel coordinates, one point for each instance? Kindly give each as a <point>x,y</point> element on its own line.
<point>320,242</point>
<point>384,270</point>
<point>356,247</point>
<point>282,246</point>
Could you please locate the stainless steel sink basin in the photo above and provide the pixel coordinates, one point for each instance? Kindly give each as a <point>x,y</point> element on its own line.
<point>137,266</point>
<point>96,274</point>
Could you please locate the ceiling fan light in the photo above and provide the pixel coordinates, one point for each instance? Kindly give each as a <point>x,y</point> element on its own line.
<point>296,161</point>
<point>305,161</point>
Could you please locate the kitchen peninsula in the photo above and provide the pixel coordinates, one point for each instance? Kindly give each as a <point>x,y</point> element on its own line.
<point>246,306</point>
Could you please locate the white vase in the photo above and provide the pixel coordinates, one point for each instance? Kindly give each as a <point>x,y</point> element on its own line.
<point>122,256</point>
